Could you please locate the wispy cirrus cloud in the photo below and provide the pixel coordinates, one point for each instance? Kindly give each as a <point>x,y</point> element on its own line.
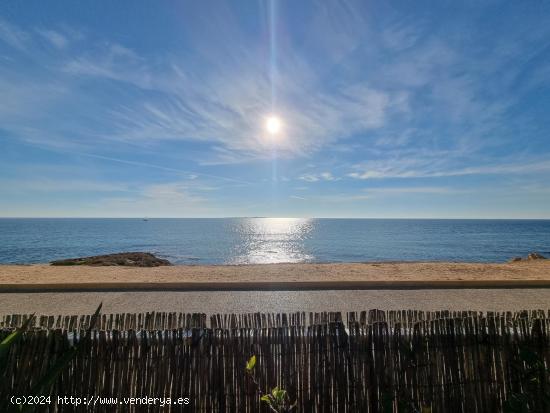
<point>223,96</point>
<point>367,194</point>
<point>366,92</point>
<point>224,105</point>
<point>416,169</point>
<point>13,36</point>
<point>229,109</point>
<point>323,176</point>
<point>174,199</point>
<point>55,38</point>
<point>56,185</point>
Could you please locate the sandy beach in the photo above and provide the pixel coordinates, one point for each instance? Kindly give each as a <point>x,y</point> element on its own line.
<point>213,289</point>
<point>523,274</point>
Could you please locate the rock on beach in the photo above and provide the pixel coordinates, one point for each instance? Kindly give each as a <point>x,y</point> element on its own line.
<point>126,259</point>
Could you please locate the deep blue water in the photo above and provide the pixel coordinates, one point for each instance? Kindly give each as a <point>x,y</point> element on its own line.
<point>266,240</point>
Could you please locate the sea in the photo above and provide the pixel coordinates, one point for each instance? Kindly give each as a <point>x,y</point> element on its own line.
<point>274,240</point>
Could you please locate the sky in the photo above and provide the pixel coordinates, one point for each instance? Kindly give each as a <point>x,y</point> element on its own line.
<point>388,109</point>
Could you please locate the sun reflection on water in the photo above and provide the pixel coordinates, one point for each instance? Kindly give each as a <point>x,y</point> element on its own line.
<point>272,240</point>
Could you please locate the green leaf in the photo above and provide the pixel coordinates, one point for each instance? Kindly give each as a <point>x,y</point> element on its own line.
<point>280,395</point>
<point>251,363</point>
<point>266,398</point>
<point>12,338</point>
<point>44,385</point>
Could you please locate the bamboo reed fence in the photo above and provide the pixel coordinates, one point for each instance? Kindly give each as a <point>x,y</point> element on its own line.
<point>375,361</point>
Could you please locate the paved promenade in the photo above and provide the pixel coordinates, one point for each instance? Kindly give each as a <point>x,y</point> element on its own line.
<point>53,303</point>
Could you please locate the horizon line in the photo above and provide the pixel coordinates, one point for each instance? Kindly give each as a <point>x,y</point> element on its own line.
<point>282,217</point>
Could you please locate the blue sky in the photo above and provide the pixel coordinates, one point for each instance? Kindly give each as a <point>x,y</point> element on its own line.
<point>389,109</point>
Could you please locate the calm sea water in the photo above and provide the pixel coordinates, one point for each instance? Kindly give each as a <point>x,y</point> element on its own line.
<point>270,240</point>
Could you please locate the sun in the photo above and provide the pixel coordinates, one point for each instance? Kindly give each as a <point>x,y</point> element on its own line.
<point>273,124</point>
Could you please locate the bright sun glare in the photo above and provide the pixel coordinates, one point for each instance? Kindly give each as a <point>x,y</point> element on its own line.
<point>273,125</point>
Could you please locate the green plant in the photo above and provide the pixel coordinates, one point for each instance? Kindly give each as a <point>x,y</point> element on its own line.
<point>12,339</point>
<point>278,399</point>
<point>44,385</point>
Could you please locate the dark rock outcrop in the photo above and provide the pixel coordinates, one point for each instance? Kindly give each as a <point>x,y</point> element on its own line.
<point>532,256</point>
<point>535,256</point>
<point>127,259</point>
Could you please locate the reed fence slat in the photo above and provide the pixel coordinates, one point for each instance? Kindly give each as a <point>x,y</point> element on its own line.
<point>370,361</point>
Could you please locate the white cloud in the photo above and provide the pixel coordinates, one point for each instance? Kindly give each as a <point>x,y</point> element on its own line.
<point>165,168</point>
<point>433,190</point>
<point>12,35</point>
<point>173,193</point>
<point>61,185</point>
<point>226,103</point>
<point>327,176</point>
<point>159,200</point>
<point>229,113</point>
<point>323,176</point>
<point>223,104</point>
<point>342,197</point>
<point>423,168</point>
<point>309,178</point>
<point>55,38</point>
